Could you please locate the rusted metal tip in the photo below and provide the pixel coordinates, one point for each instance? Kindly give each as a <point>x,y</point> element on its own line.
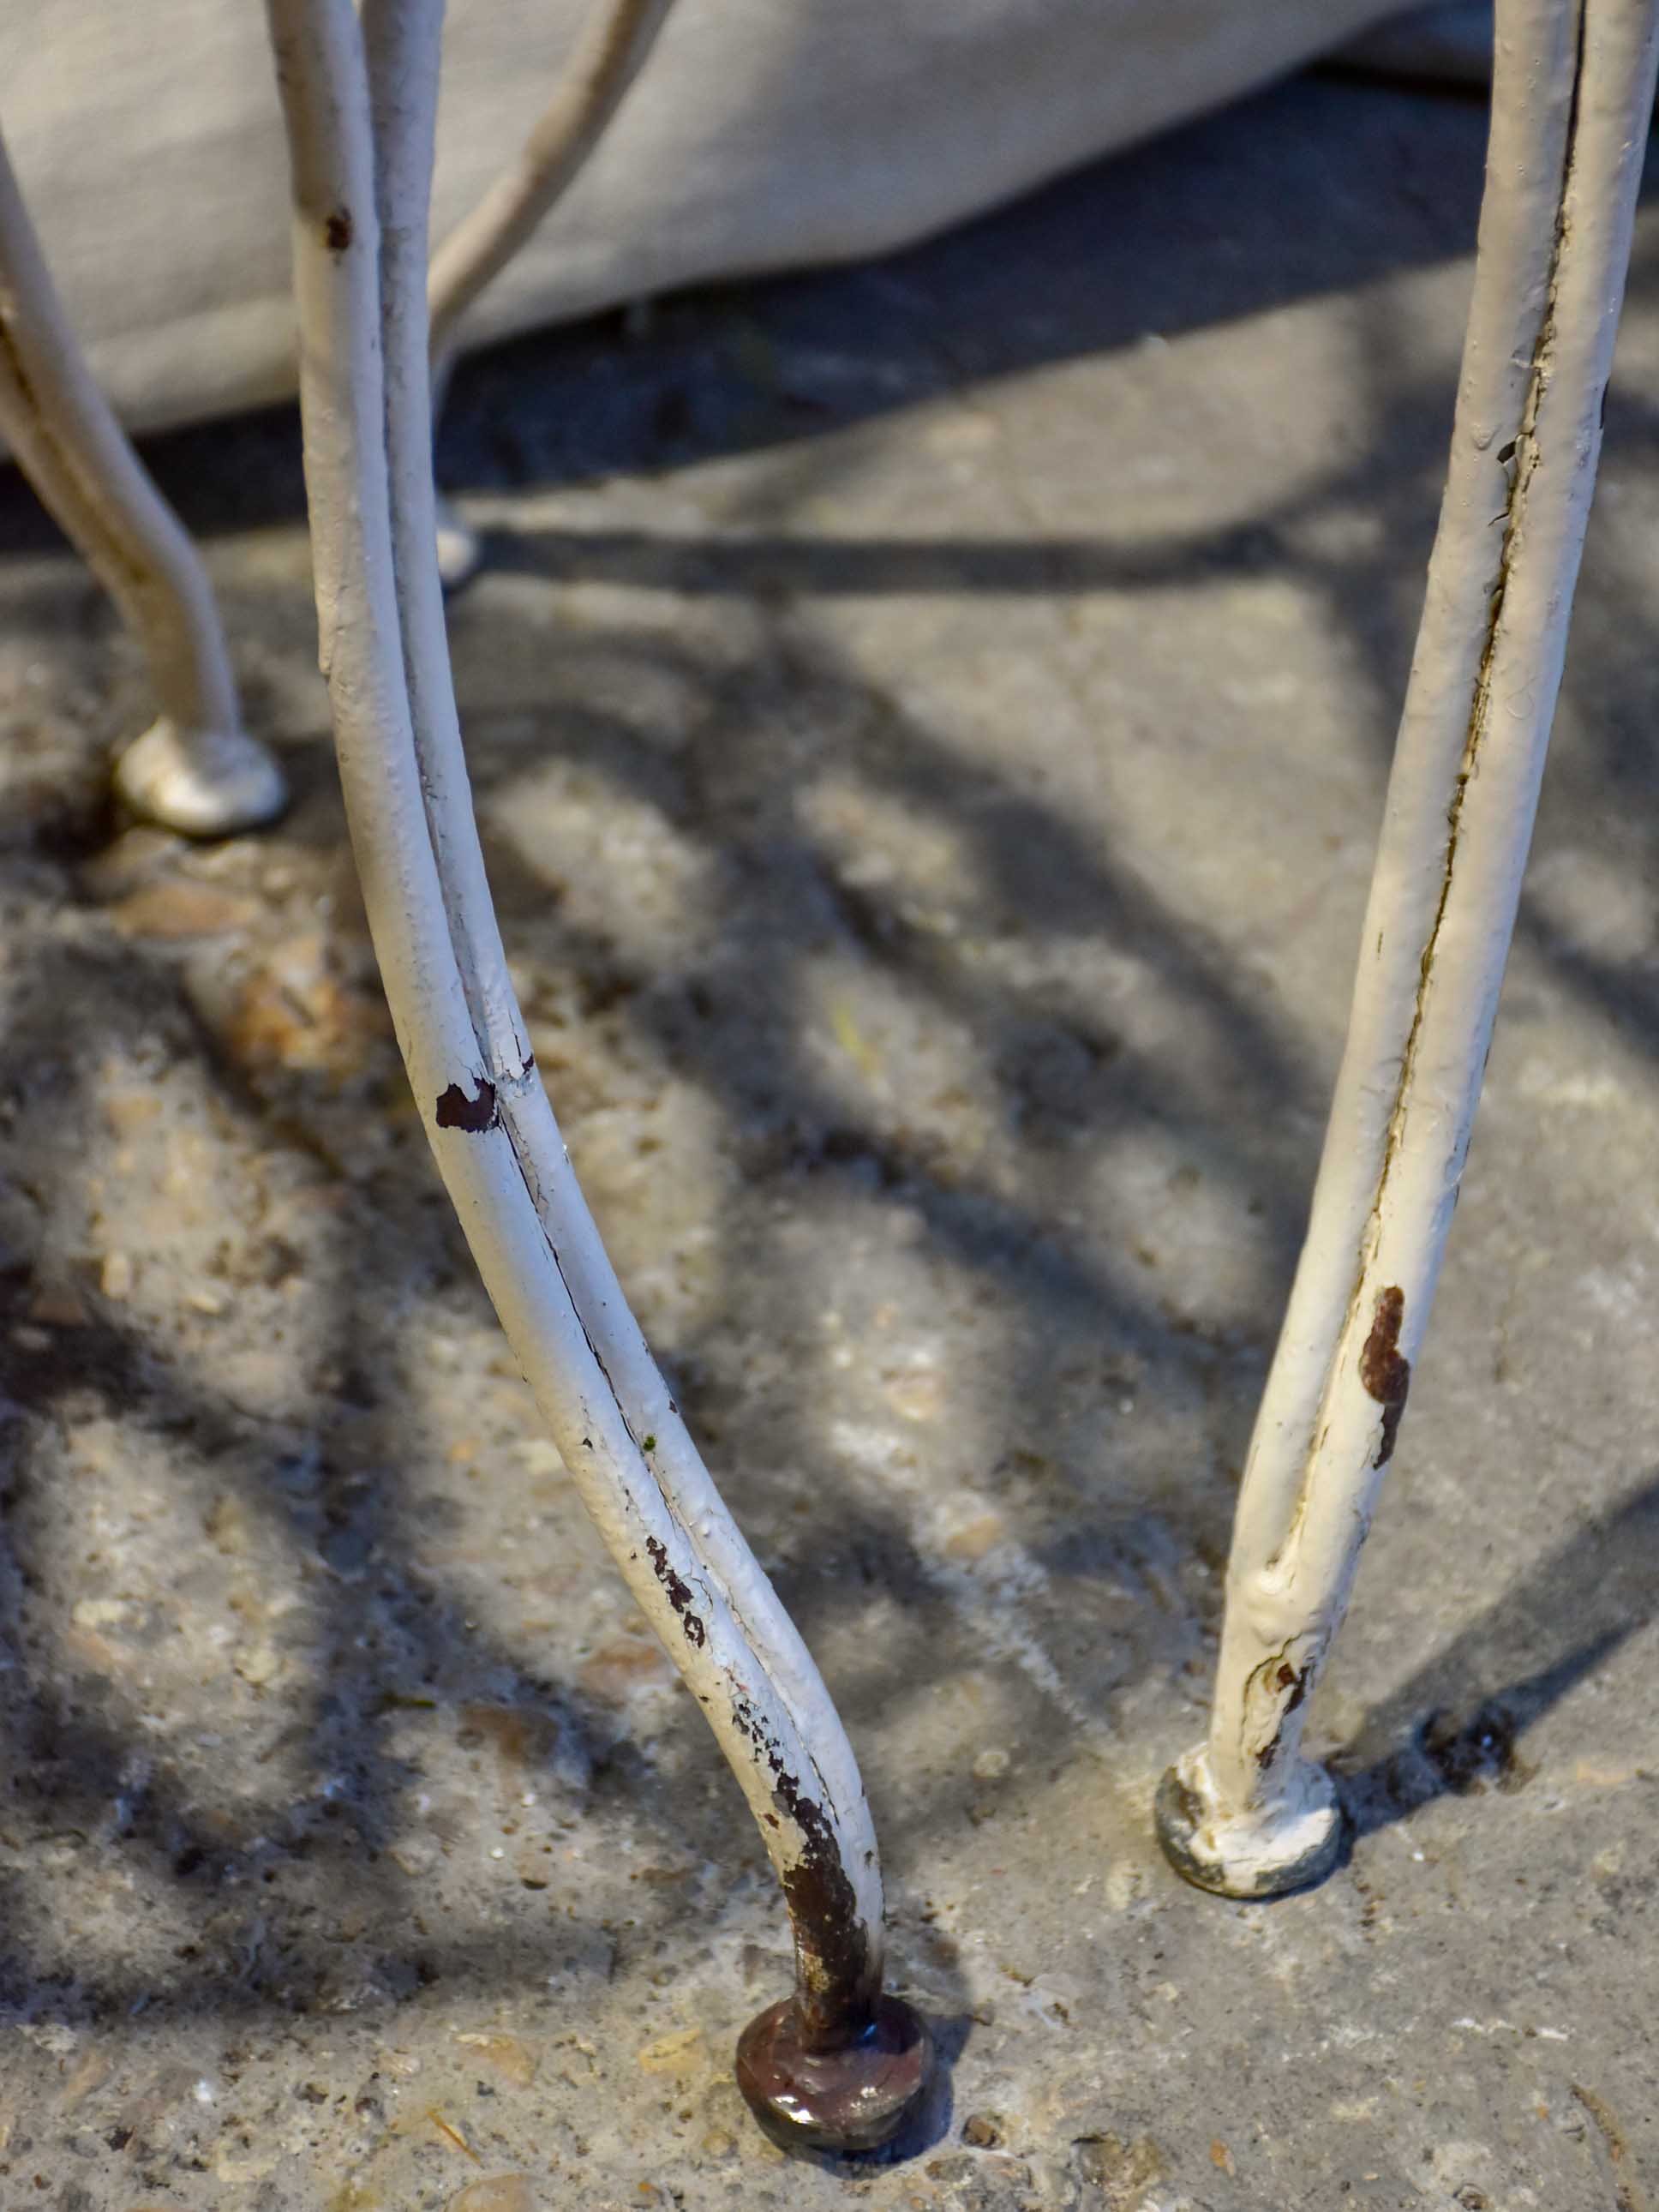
<point>1177,1817</point>
<point>855,2097</point>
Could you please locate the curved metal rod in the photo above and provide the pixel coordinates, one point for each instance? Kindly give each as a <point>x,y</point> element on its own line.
<point>610,50</point>
<point>1245,1812</point>
<point>837,2062</point>
<point>195,769</point>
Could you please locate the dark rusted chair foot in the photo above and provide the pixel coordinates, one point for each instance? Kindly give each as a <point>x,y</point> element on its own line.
<point>853,2097</point>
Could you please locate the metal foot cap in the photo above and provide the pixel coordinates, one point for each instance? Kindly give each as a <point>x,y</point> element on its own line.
<point>202,783</point>
<point>1242,1857</point>
<point>460,548</point>
<point>853,2097</point>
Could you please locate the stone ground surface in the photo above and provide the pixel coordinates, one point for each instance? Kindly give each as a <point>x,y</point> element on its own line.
<point>930,724</point>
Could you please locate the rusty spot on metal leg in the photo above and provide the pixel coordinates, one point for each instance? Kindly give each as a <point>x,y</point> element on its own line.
<point>837,1979</point>
<point>338,230</point>
<point>679,1593</point>
<point>1386,1374</point>
<point>1295,1680</point>
<point>823,1911</point>
<point>455,1110</point>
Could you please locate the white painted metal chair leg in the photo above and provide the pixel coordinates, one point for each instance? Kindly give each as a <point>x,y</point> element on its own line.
<point>1245,1812</point>
<point>195,769</point>
<point>605,61</point>
<point>838,2063</point>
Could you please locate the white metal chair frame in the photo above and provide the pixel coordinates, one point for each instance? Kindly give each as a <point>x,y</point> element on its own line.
<point>838,2064</point>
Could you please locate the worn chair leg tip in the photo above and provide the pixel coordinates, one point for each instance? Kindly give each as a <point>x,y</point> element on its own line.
<point>200,783</point>
<point>460,548</point>
<point>1251,1861</point>
<point>854,2098</point>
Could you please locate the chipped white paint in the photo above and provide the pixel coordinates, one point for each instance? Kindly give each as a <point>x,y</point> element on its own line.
<point>195,769</point>
<point>1245,1811</point>
<point>360,115</point>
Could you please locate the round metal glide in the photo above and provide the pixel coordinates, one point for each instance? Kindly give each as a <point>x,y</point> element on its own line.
<point>853,2096</point>
<point>1306,1855</point>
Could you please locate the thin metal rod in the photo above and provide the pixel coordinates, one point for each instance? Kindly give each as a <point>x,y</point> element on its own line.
<point>196,768</point>
<point>1245,1811</point>
<point>609,53</point>
<point>610,50</point>
<point>360,110</point>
